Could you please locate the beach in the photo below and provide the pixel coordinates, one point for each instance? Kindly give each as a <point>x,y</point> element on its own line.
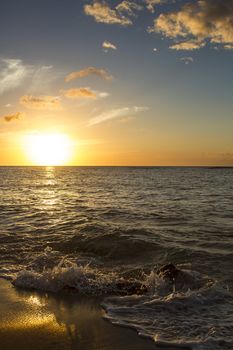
<point>32,320</point>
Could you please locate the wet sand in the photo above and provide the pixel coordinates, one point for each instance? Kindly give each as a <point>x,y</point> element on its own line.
<point>31,320</point>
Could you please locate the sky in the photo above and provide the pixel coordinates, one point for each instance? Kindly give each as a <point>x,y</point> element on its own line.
<point>146,82</point>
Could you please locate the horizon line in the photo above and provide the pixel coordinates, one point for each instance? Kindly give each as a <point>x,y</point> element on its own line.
<point>120,166</point>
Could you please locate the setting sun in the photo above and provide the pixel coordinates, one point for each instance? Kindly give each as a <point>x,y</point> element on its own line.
<point>48,149</point>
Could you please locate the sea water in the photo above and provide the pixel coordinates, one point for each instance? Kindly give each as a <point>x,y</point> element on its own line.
<point>93,229</point>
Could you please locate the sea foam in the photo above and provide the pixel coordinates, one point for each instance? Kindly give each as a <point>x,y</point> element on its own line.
<point>192,311</point>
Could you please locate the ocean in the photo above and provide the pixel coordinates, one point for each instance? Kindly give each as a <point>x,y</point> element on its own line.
<point>99,230</point>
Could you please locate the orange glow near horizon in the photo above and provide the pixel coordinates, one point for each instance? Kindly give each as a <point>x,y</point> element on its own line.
<point>48,149</point>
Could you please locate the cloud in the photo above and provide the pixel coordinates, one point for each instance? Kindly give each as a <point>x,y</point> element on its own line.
<point>107,45</point>
<point>128,7</point>
<point>42,78</point>
<point>12,73</point>
<point>115,113</point>
<point>188,45</point>
<point>201,20</point>
<point>187,60</point>
<point>122,13</point>
<point>103,13</point>
<point>40,102</point>
<point>83,92</point>
<point>11,117</point>
<point>102,94</point>
<point>228,46</point>
<point>102,73</point>
<point>77,93</point>
<point>150,4</point>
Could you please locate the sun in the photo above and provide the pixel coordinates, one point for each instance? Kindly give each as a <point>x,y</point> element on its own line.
<point>48,149</point>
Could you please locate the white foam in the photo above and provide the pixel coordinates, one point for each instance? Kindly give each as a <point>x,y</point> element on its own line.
<point>83,279</point>
<point>192,311</point>
<point>195,314</point>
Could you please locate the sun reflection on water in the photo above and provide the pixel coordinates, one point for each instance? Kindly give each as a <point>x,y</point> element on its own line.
<point>49,196</point>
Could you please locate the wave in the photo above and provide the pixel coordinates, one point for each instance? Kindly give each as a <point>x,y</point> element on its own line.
<point>109,243</point>
<point>82,279</point>
<point>171,305</point>
<point>193,312</point>
<point>45,274</point>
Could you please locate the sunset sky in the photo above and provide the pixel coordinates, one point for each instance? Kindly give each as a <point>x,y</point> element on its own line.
<point>147,82</point>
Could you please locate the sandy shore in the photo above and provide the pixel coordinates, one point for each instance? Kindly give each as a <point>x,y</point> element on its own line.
<point>36,321</point>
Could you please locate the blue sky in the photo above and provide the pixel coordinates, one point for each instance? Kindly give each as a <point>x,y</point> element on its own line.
<point>168,106</point>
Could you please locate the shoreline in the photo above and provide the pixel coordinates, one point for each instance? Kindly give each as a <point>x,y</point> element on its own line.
<point>30,319</point>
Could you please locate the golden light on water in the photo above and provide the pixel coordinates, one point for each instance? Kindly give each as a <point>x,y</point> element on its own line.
<point>48,149</point>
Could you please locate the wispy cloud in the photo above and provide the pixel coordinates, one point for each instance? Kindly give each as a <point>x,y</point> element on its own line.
<point>115,113</point>
<point>42,77</point>
<point>12,73</point>
<point>188,45</point>
<point>11,117</point>
<point>83,92</point>
<point>77,93</point>
<point>100,72</point>
<point>228,46</point>
<point>102,94</point>
<point>187,60</point>
<point>40,102</point>
<point>107,45</point>
<point>200,20</point>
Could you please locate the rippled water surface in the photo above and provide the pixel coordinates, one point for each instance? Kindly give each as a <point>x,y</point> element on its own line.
<point>125,223</point>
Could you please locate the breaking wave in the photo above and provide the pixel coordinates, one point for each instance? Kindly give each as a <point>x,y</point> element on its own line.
<point>173,305</point>
<point>196,313</point>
